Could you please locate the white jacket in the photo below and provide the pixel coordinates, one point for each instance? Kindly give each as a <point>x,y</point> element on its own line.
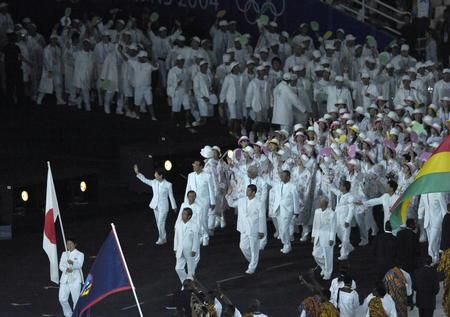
<point>162,193</point>
<point>324,227</point>
<point>187,238</point>
<point>432,209</point>
<point>284,101</point>
<point>76,276</point>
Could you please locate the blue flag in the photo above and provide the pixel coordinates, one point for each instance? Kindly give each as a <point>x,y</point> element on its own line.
<point>107,276</point>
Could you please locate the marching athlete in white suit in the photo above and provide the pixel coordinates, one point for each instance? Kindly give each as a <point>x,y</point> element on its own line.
<point>162,193</point>
<point>344,216</point>
<point>250,223</point>
<point>285,206</point>
<point>202,184</point>
<point>186,245</point>
<point>70,265</point>
<point>324,236</point>
<point>432,209</point>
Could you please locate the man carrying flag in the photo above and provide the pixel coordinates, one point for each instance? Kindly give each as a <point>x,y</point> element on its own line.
<point>433,177</point>
<point>72,277</point>
<point>109,275</point>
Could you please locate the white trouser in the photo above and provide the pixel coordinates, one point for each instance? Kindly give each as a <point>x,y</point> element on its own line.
<point>324,258</point>
<point>58,93</point>
<point>212,218</point>
<point>370,222</point>
<point>84,97</point>
<point>250,249</point>
<point>204,211</point>
<point>284,225</point>
<point>434,242</point>
<point>186,258</point>
<point>160,218</point>
<point>344,235</point>
<point>363,231</point>
<point>66,289</point>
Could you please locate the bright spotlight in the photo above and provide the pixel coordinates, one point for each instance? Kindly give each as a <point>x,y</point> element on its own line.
<point>230,154</point>
<point>167,165</point>
<point>83,186</point>
<point>24,195</point>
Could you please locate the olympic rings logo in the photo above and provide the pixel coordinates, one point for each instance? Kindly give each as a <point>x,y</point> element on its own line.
<point>266,8</point>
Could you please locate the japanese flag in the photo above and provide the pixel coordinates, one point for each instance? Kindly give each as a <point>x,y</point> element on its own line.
<point>49,239</point>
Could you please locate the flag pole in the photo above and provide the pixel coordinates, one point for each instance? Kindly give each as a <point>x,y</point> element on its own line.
<point>59,211</point>
<point>126,269</point>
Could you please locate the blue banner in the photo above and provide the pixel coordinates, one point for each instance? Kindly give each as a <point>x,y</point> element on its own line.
<point>107,276</point>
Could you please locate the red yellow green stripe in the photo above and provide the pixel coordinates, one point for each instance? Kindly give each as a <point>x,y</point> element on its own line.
<point>433,177</point>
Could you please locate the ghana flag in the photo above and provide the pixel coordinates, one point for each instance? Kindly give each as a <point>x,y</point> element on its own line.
<point>433,177</point>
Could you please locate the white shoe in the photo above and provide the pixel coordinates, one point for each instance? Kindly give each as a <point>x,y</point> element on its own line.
<point>107,110</point>
<point>305,237</point>
<point>143,109</point>
<point>205,242</point>
<point>249,271</point>
<point>195,123</point>
<point>342,258</point>
<point>363,243</point>
<point>286,250</point>
<point>187,125</point>
<point>222,223</point>
<point>119,111</point>
<point>154,119</point>
<point>275,235</point>
<point>326,277</point>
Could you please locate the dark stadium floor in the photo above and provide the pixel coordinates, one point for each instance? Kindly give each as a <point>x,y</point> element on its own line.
<point>78,143</point>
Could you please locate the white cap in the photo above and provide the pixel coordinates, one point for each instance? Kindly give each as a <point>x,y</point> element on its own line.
<point>406,77</point>
<point>340,30</point>
<point>180,57</point>
<point>404,47</point>
<point>298,126</point>
<point>359,110</point>
<point>260,68</point>
<point>365,75</point>
<point>203,62</point>
<point>350,37</point>
<point>196,38</point>
<point>233,65</point>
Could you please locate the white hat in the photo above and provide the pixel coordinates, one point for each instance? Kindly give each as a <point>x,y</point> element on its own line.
<point>370,60</point>
<point>404,47</point>
<point>340,30</point>
<point>250,61</point>
<point>318,68</point>
<point>216,148</point>
<point>273,24</point>
<point>196,38</point>
<point>226,58</point>
<point>233,65</point>
<point>181,38</point>
<point>259,143</point>
<point>373,106</point>
<point>287,76</point>
<point>433,106</point>
<point>389,65</point>
<point>350,37</point>
<point>316,54</point>
<point>327,116</point>
<point>339,78</point>
<point>393,116</point>
<point>359,110</point>
<point>365,75</point>
<point>223,23</point>
<point>445,98</point>
<point>203,62</point>
<point>346,116</point>
<point>243,138</point>
<point>406,77</point>
<point>417,111</point>
<point>285,34</point>
<point>412,70</point>
<point>298,126</point>
<point>329,46</point>
<point>260,68</point>
<point>206,152</point>
<point>394,131</point>
<point>399,107</point>
<point>162,28</point>
<point>428,120</point>
<point>310,129</point>
<point>437,127</point>
<point>333,109</point>
<point>263,50</point>
<point>353,162</point>
<point>446,70</point>
<point>180,57</point>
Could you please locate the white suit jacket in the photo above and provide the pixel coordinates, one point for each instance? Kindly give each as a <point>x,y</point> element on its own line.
<point>76,276</point>
<point>202,184</point>
<point>187,238</point>
<point>286,202</point>
<point>162,193</point>
<point>324,227</point>
<point>344,206</point>
<point>432,209</point>
<point>386,201</point>
<point>251,216</point>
